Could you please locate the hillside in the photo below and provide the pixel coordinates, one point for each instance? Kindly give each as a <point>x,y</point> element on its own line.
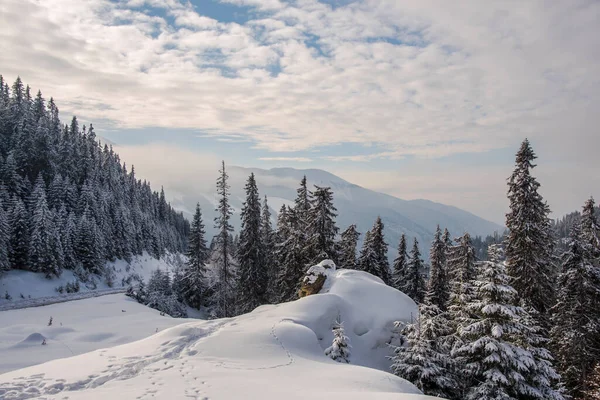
<point>271,353</point>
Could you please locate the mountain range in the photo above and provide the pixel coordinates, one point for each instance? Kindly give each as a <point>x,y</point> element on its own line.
<point>355,205</point>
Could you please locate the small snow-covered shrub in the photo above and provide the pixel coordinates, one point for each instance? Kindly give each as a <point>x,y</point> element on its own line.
<point>340,348</point>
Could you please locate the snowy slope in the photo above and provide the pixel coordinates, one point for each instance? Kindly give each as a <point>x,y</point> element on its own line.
<point>77,327</point>
<point>355,204</point>
<point>23,286</point>
<point>274,352</point>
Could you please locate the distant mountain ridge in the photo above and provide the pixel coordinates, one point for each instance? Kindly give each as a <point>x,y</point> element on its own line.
<point>355,205</point>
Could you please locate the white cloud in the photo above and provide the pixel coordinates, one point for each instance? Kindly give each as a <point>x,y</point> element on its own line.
<point>425,79</point>
<point>288,159</point>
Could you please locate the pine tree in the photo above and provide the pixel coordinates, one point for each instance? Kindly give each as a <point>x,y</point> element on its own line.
<point>291,256</point>
<point>593,385</point>
<point>348,243</point>
<point>253,278</point>
<point>193,285</point>
<point>321,227</point>
<point>268,240</point>
<point>45,250</point>
<point>19,236</point>
<point>463,272</point>
<point>340,348</point>
<point>224,285</point>
<point>575,323</point>
<point>590,229</point>
<point>426,361</point>
<point>529,242</point>
<point>415,284</point>
<point>379,248</point>
<point>4,240</point>
<point>438,285</point>
<point>87,244</point>
<point>491,350</point>
<point>367,260</point>
<point>400,268</point>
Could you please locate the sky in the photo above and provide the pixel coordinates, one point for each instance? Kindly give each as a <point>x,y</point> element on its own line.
<point>418,99</point>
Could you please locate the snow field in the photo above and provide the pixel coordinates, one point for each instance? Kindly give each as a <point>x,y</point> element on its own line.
<point>274,352</point>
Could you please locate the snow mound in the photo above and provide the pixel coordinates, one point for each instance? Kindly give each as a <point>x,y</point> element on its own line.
<point>36,338</point>
<point>274,352</point>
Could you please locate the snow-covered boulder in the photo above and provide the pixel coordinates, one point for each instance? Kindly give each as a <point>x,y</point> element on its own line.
<point>315,278</point>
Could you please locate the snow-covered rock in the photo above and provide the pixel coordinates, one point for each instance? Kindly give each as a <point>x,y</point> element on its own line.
<point>315,277</point>
<point>274,352</point>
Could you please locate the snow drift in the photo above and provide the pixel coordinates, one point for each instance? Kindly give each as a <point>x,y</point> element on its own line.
<point>274,352</point>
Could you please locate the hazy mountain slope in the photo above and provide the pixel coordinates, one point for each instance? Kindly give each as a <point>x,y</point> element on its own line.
<point>355,204</point>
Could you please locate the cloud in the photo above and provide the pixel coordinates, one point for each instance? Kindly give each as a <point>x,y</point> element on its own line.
<point>424,79</point>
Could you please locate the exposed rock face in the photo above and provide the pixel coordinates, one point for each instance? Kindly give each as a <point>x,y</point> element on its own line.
<point>315,278</point>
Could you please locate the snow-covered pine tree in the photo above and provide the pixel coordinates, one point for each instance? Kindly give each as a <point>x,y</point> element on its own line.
<point>340,347</point>
<point>193,281</point>
<point>268,240</point>
<point>590,229</point>
<point>415,284</point>
<point>87,244</point>
<point>493,358</point>
<point>303,202</point>
<point>253,276</point>
<point>45,250</point>
<point>575,325</point>
<point>529,243</point>
<point>348,243</point>
<point>593,385</point>
<point>400,272</point>
<point>380,248</point>
<point>223,289</point>
<point>462,274</point>
<point>291,256</point>
<point>19,236</point>
<point>4,240</point>
<point>367,259</point>
<point>426,361</point>
<point>438,285</point>
<point>321,227</point>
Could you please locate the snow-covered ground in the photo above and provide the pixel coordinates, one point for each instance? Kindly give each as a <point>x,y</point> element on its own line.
<point>24,287</point>
<point>77,327</point>
<point>274,352</point>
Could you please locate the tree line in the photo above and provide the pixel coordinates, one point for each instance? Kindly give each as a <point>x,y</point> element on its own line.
<point>66,201</point>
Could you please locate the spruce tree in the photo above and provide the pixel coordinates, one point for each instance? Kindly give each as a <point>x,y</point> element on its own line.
<point>348,243</point>
<point>291,256</point>
<point>494,361</point>
<point>426,361</point>
<point>380,248</point>
<point>268,240</point>
<point>575,323</point>
<point>400,268</point>
<point>321,227</point>
<point>367,260</point>
<point>415,284</point>
<point>463,273</point>
<point>19,236</point>
<point>590,229</point>
<point>438,283</point>
<point>87,244</point>
<point>253,276</point>
<point>45,251</point>
<point>224,284</point>
<point>529,242</point>
<point>340,348</point>
<point>193,282</point>
<point>4,240</point>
